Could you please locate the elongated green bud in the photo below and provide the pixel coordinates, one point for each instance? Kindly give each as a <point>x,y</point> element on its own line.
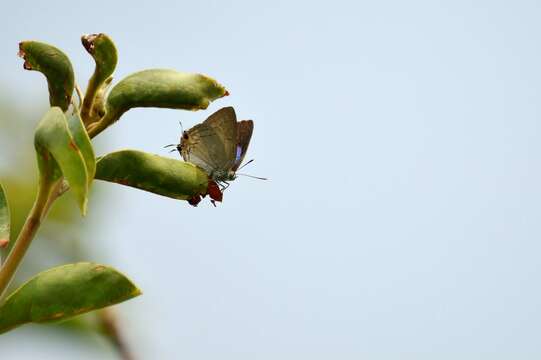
<point>162,88</point>
<point>56,67</point>
<point>160,175</point>
<point>103,50</point>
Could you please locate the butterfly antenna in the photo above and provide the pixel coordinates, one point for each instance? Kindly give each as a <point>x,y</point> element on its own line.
<point>245,164</point>
<point>175,145</point>
<point>253,177</point>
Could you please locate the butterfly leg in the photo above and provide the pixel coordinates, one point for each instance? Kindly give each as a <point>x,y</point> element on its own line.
<point>222,185</point>
<point>225,185</point>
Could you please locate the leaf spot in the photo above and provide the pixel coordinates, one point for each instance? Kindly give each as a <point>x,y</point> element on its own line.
<point>82,310</point>
<point>73,146</point>
<point>57,315</point>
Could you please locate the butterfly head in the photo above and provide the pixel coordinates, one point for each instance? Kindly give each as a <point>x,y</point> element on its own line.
<point>183,139</point>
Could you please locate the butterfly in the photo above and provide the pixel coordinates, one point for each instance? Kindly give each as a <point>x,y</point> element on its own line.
<point>218,145</point>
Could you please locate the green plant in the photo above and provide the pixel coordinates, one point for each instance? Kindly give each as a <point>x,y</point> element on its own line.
<point>66,162</point>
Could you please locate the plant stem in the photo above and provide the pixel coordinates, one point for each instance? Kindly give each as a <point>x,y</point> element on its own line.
<point>88,100</point>
<point>27,233</point>
<point>109,324</point>
<point>79,94</point>
<point>95,128</point>
<point>58,190</point>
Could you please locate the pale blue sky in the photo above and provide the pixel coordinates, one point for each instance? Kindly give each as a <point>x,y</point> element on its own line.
<point>402,140</point>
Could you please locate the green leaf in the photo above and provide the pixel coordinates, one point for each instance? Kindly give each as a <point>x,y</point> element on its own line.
<point>63,292</point>
<point>160,175</point>
<point>56,67</point>
<point>5,222</point>
<point>103,50</point>
<point>162,88</point>
<point>82,141</point>
<point>59,154</point>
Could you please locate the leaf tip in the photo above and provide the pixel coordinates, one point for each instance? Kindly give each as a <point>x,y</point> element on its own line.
<point>83,206</point>
<point>88,42</point>
<point>22,54</point>
<point>194,200</point>
<point>3,243</point>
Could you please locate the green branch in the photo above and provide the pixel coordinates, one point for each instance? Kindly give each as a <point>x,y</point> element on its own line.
<point>28,231</point>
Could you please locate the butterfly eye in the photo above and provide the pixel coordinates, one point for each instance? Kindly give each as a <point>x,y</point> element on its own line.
<point>185,135</point>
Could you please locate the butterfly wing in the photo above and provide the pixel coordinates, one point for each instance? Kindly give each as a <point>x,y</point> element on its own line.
<point>193,146</point>
<point>245,128</point>
<point>211,144</point>
<point>224,123</point>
